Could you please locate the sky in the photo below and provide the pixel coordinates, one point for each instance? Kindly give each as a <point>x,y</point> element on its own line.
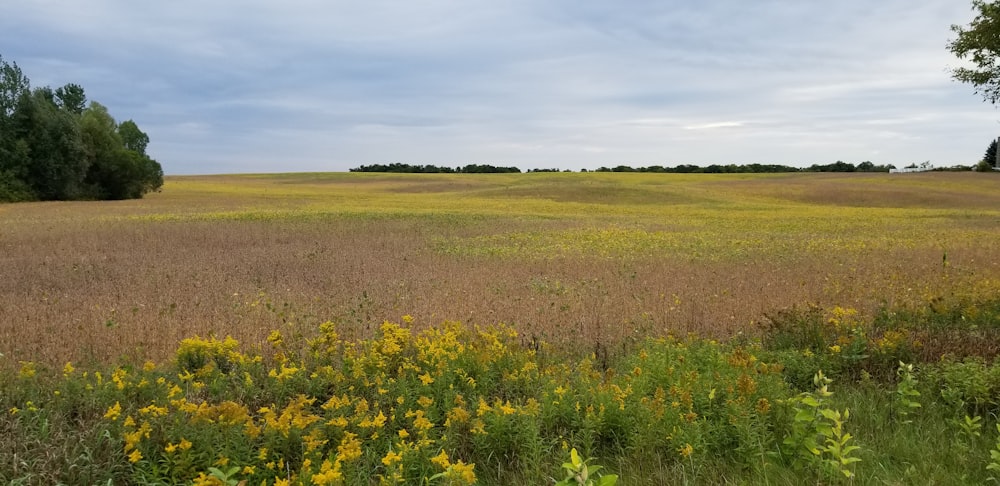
<point>327,85</point>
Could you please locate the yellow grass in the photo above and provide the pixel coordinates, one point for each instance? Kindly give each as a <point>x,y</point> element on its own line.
<point>581,258</point>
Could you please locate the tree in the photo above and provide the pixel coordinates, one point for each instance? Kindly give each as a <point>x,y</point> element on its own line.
<point>133,138</point>
<point>53,165</point>
<point>71,98</point>
<point>991,154</point>
<point>980,43</point>
<point>54,146</point>
<point>13,85</point>
<point>117,171</point>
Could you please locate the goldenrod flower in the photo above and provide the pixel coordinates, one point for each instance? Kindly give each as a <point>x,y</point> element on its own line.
<point>391,458</point>
<point>113,412</point>
<point>464,472</point>
<point>27,369</point>
<point>135,456</point>
<point>441,459</point>
<point>686,451</point>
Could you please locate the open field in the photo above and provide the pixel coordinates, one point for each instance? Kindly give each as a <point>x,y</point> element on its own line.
<point>474,329</point>
<point>582,258</point>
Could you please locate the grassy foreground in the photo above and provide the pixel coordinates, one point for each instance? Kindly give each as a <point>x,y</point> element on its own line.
<point>454,405</point>
<point>670,327</point>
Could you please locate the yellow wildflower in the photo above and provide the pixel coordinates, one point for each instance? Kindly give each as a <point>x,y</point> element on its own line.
<point>686,451</point>
<point>68,369</point>
<point>441,459</point>
<point>506,407</point>
<point>329,473</point>
<point>113,412</point>
<point>135,456</point>
<point>27,369</point>
<point>391,458</point>
<point>464,472</point>
<point>426,378</point>
<point>349,448</point>
<point>206,480</point>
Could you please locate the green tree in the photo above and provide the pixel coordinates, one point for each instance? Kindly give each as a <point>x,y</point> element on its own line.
<point>71,98</point>
<point>116,171</point>
<point>133,138</point>
<point>53,165</point>
<point>991,154</point>
<point>54,146</point>
<point>13,85</point>
<point>979,42</point>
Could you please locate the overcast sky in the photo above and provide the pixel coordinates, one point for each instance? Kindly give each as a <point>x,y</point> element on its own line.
<point>320,85</point>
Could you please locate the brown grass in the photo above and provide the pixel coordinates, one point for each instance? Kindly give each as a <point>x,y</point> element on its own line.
<point>87,281</point>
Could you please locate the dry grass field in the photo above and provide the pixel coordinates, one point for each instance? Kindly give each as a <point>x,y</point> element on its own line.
<point>574,259</point>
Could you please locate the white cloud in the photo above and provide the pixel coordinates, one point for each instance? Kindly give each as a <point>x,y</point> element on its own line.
<point>321,85</point>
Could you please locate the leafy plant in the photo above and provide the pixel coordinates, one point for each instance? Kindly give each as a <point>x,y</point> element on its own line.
<point>226,477</point>
<point>994,464</point>
<point>906,392</point>
<point>579,473</point>
<point>817,435</point>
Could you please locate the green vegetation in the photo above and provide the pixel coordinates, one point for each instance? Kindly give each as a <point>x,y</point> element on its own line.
<point>398,168</point>
<point>53,146</point>
<point>978,43</point>
<point>671,328</point>
<point>454,405</point>
<point>838,166</point>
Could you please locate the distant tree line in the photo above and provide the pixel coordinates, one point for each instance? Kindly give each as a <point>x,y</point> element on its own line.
<point>433,169</point>
<point>56,146</point>
<point>838,166</point>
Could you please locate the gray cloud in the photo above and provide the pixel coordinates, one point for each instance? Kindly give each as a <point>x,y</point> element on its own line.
<point>318,85</point>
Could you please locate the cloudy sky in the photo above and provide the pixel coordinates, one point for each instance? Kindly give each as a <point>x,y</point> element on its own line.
<point>325,85</point>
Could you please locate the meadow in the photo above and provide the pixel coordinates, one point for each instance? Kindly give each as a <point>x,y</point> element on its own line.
<point>352,328</point>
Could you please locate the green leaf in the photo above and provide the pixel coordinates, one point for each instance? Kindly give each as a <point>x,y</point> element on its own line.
<point>608,480</point>
<point>574,457</point>
<point>830,414</point>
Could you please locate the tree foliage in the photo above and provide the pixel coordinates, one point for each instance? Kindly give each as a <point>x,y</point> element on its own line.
<point>54,146</point>
<point>979,42</point>
<point>990,157</point>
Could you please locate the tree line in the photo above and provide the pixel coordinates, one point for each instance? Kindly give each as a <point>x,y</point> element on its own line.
<point>433,169</point>
<point>838,166</point>
<point>54,145</point>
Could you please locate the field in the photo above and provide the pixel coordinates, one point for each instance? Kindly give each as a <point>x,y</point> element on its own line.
<point>585,258</point>
<point>592,269</point>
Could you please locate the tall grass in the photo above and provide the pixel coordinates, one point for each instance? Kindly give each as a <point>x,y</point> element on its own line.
<point>566,257</point>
